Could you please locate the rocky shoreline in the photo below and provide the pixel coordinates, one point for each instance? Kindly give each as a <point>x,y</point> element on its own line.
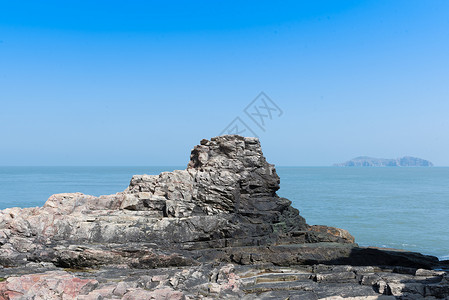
<point>215,230</point>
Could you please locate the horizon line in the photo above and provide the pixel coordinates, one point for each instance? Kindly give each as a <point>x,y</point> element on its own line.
<point>143,166</point>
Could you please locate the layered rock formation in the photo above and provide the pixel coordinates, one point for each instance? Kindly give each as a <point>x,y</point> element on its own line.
<point>175,234</point>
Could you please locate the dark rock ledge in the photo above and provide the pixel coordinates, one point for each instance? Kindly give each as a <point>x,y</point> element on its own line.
<point>215,230</point>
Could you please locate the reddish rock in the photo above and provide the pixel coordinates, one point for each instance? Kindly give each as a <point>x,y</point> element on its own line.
<point>48,285</point>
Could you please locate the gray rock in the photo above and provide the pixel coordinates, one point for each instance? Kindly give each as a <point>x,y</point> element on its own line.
<point>207,231</point>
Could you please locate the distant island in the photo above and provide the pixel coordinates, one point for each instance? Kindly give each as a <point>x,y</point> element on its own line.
<point>406,161</point>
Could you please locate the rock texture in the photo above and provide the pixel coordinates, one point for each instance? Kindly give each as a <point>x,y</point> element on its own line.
<point>216,229</point>
<point>229,281</point>
<point>406,161</point>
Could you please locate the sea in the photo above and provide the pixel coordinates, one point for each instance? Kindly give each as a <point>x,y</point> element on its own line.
<point>402,208</point>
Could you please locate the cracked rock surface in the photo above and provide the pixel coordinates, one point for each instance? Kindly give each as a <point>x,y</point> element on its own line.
<point>215,229</point>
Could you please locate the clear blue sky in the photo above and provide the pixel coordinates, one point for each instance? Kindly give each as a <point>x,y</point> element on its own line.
<point>142,82</point>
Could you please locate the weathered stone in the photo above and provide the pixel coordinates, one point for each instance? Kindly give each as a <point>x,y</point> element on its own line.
<point>197,233</point>
<point>49,285</point>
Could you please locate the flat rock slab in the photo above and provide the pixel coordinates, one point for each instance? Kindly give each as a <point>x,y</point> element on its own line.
<point>227,281</point>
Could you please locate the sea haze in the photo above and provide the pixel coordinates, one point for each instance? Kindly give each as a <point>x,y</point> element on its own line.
<point>403,208</point>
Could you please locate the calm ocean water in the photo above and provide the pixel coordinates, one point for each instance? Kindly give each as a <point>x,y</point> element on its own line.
<point>405,208</point>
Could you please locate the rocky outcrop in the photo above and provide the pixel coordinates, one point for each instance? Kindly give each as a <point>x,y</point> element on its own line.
<point>228,281</point>
<point>221,210</point>
<point>225,199</point>
<point>406,161</point>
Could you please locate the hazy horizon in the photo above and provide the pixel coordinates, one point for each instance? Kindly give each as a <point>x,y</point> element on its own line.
<point>183,167</point>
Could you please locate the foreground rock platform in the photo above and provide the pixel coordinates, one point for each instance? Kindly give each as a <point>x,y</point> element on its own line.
<point>215,230</point>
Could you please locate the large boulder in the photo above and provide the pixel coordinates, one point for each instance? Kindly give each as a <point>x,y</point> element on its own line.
<point>225,200</point>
